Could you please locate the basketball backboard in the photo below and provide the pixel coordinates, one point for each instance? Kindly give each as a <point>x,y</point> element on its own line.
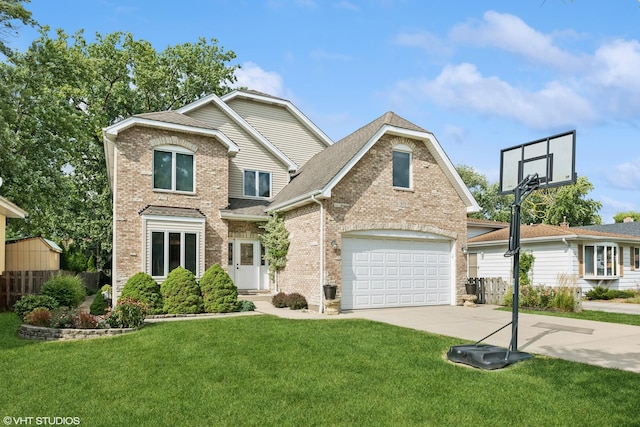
<point>552,158</point>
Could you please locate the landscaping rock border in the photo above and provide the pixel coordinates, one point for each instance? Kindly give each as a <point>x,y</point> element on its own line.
<point>30,332</point>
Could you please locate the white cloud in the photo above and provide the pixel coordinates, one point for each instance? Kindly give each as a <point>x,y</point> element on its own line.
<point>347,5</point>
<point>510,33</point>
<point>423,40</point>
<point>319,54</point>
<point>625,175</point>
<point>462,87</point>
<point>254,77</point>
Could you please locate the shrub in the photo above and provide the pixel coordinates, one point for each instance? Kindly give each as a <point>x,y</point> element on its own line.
<point>143,288</point>
<point>128,313</point>
<point>40,316</point>
<point>181,293</point>
<point>543,298</point>
<point>599,292</point>
<point>99,305</point>
<point>564,299</point>
<point>29,303</point>
<point>296,301</point>
<point>245,305</point>
<point>219,293</point>
<point>86,321</point>
<point>279,300</point>
<point>64,317</point>
<point>67,290</point>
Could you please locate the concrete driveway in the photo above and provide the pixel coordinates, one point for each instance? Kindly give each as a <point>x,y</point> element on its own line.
<point>602,344</point>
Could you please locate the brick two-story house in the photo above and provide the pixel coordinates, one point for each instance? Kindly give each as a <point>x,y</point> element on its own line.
<point>381,213</point>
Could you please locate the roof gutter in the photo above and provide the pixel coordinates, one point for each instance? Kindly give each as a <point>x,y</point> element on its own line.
<point>320,305</point>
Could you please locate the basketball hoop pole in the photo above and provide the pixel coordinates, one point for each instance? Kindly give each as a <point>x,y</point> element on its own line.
<point>522,190</point>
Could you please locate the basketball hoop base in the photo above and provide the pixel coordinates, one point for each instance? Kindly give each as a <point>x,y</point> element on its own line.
<point>487,357</point>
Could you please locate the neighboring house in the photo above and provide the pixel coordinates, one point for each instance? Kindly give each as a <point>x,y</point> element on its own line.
<point>629,227</point>
<point>382,213</point>
<point>32,254</point>
<point>7,210</point>
<point>562,253</point>
<point>477,227</point>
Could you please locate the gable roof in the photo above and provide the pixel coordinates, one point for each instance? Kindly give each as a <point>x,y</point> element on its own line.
<point>270,99</point>
<point>11,210</point>
<point>324,171</point>
<point>49,243</point>
<point>169,120</point>
<point>218,102</point>
<point>546,232</point>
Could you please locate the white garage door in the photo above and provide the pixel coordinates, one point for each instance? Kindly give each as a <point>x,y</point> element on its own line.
<point>395,273</point>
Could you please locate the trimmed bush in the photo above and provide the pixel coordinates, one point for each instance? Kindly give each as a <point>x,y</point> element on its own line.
<point>67,290</point>
<point>128,313</point>
<point>99,305</point>
<point>40,316</point>
<point>219,293</point>
<point>279,300</point>
<point>143,288</point>
<point>246,305</point>
<point>296,301</point>
<point>181,293</point>
<point>28,303</point>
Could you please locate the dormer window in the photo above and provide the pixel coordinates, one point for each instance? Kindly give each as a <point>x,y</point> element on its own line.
<point>402,166</point>
<point>173,169</point>
<point>257,184</point>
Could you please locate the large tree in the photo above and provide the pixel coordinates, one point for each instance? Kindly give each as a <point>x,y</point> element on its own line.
<point>550,206</point>
<point>59,94</point>
<point>621,216</point>
<point>12,13</point>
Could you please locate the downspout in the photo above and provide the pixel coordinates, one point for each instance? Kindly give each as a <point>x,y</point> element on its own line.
<point>320,306</point>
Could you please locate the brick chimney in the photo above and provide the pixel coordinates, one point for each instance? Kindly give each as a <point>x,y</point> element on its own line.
<point>564,223</point>
<point>628,219</point>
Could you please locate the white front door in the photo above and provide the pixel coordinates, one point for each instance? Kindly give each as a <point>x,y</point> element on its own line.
<point>245,263</point>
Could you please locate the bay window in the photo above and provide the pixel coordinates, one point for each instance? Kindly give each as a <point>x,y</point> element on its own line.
<point>601,260</point>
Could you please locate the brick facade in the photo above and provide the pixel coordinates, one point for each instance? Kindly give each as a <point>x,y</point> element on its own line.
<point>134,191</point>
<point>366,200</point>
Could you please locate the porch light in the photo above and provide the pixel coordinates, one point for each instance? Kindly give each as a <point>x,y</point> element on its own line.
<point>334,244</point>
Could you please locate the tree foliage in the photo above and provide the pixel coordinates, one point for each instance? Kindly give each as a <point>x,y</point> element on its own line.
<point>12,13</point>
<point>620,216</point>
<point>549,206</point>
<point>59,94</point>
<point>276,239</point>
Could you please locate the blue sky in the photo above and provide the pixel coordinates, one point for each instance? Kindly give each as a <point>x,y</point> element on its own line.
<point>480,75</point>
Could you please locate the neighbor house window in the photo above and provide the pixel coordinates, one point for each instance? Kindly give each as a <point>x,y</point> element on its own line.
<point>601,260</point>
<point>173,170</point>
<point>257,183</point>
<point>401,167</point>
<point>635,258</point>
<point>173,249</point>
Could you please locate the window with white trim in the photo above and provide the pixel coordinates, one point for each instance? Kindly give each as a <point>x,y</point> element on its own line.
<point>601,260</point>
<point>257,183</point>
<point>401,166</point>
<point>170,249</point>
<point>173,169</point>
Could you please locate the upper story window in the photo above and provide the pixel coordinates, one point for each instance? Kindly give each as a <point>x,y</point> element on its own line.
<point>401,166</point>
<point>257,183</point>
<point>173,169</point>
<point>601,260</point>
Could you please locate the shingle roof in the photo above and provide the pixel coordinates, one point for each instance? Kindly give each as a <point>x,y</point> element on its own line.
<point>541,231</point>
<point>175,118</point>
<point>171,211</point>
<point>324,166</point>
<point>629,228</point>
<point>254,207</point>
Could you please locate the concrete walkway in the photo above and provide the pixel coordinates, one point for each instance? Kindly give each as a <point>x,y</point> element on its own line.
<point>602,344</point>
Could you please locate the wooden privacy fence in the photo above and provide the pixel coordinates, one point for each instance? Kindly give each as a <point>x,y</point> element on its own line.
<point>490,290</point>
<point>16,284</point>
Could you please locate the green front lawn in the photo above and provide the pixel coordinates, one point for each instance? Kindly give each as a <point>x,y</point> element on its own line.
<point>598,316</point>
<point>263,370</point>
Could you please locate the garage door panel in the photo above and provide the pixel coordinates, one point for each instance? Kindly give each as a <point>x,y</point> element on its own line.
<point>395,273</point>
